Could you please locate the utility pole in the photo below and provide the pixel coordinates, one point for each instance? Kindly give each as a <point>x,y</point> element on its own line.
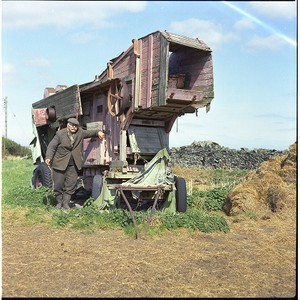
<point>5,137</point>
<point>5,106</point>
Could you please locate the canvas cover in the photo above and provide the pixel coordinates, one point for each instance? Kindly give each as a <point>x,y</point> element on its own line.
<point>156,173</point>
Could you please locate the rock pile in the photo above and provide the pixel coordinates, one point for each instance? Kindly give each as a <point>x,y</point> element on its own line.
<point>207,154</point>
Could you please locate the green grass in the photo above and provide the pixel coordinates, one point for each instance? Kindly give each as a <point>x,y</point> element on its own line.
<point>227,178</point>
<point>15,173</point>
<point>207,179</point>
<point>210,200</point>
<point>35,206</point>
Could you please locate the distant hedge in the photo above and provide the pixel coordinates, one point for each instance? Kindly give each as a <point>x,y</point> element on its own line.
<point>10,147</point>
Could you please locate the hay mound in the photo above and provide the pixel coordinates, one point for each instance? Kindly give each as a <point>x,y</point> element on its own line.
<point>270,189</point>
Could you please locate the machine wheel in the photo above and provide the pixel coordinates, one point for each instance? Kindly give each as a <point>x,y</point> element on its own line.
<point>97,186</point>
<point>118,97</point>
<point>41,176</point>
<point>181,195</point>
<point>114,98</point>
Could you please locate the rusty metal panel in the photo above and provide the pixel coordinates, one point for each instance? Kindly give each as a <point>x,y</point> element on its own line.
<point>40,116</point>
<point>67,103</point>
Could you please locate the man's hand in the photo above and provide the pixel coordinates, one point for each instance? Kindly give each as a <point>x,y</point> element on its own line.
<point>48,161</point>
<point>101,135</point>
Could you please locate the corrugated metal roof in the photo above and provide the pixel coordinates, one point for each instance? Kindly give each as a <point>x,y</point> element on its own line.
<point>183,40</point>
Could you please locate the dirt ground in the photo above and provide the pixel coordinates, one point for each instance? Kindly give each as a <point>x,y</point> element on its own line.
<point>257,258</point>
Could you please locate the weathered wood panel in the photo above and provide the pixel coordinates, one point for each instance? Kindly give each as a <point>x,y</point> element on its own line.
<point>163,71</point>
<point>124,68</point>
<point>147,140</point>
<point>183,40</point>
<point>184,95</point>
<point>67,103</point>
<point>199,73</point>
<point>94,152</point>
<point>148,65</point>
<point>155,70</point>
<point>143,73</point>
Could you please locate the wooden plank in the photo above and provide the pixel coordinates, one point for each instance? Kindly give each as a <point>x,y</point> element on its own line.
<point>149,63</point>
<point>67,103</point>
<point>148,122</point>
<point>163,71</point>
<point>183,40</point>
<point>184,95</point>
<point>123,68</point>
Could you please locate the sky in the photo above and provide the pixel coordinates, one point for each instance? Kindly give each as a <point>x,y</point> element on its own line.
<point>47,43</point>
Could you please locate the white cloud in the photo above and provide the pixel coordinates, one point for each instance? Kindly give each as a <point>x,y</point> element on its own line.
<point>82,37</point>
<point>9,74</point>
<point>207,31</point>
<point>244,23</point>
<point>32,14</point>
<point>40,62</point>
<point>8,69</point>
<point>275,9</point>
<point>272,42</point>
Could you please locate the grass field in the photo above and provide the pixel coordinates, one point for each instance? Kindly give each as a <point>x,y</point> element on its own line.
<point>15,172</point>
<point>207,190</point>
<point>49,253</point>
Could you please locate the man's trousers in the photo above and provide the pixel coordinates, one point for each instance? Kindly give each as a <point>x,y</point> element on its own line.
<point>65,182</point>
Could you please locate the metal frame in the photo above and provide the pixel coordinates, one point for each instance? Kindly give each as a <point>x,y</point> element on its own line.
<point>156,188</point>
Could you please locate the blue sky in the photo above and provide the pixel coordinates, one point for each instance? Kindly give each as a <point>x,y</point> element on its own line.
<point>46,43</point>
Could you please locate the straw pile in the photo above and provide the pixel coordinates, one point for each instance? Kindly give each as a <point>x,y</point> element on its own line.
<point>269,189</point>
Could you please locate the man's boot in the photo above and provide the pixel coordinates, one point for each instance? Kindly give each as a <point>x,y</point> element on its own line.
<point>59,201</point>
<point>66,201</point>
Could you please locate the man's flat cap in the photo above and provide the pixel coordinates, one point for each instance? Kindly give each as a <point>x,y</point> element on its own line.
<point>73,121</point>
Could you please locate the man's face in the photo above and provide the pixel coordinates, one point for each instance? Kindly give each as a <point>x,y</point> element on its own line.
<point>72,127</point>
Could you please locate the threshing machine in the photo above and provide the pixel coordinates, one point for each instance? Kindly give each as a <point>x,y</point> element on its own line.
<point>135,101</point>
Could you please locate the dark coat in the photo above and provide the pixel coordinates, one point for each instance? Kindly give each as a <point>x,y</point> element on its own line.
<point>59,150</point>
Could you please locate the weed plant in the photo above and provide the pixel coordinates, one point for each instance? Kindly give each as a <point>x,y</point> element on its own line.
<point>210,200</point>
<point>38,207</point>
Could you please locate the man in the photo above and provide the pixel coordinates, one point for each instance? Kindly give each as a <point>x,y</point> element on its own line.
<point>64,155</point>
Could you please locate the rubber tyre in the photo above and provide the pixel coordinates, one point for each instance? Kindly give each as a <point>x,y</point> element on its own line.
<point>41,177</point>
<point>181,195</point>
<point>97,186</point>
